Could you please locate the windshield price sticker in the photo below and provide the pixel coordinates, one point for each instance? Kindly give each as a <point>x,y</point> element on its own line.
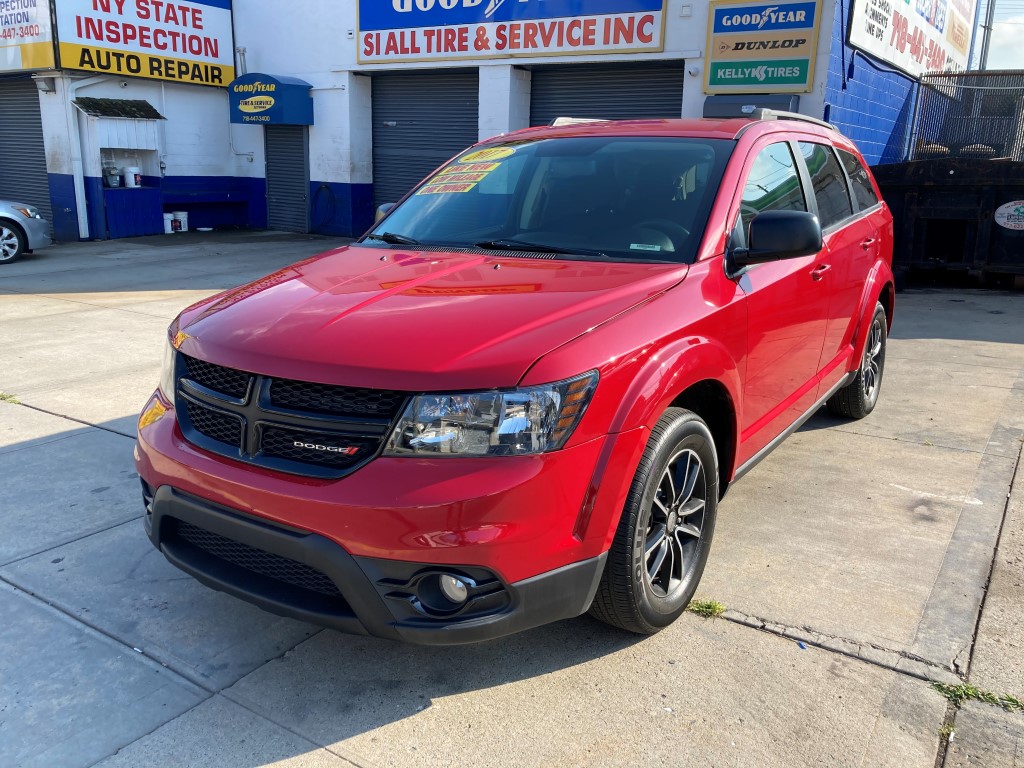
<point>446,188</point>
<point>471,168</point>
<point>491,153</point>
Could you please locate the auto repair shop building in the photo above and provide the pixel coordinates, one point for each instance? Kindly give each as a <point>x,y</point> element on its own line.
<point>248,114</point>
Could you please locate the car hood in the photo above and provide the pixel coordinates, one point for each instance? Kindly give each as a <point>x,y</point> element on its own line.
<point>414,320</point>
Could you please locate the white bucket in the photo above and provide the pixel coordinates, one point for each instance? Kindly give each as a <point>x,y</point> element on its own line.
<point>180,221</point>
<point>168,223</point>
<point>133,177</point>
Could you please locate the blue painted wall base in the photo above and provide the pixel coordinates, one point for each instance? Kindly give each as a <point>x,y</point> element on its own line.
<point>64,205</point>
<point>340,209</point>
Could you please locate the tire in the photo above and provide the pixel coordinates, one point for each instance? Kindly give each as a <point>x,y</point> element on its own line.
<point>638,592</point>
<point>12,242</point>
<point>857,399</point>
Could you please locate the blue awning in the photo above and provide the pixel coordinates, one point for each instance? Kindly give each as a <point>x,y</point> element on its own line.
<point>261,99</point>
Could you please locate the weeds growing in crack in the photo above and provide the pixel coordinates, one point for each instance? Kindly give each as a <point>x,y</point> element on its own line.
<point>962,692</point>
<point>706,608</point>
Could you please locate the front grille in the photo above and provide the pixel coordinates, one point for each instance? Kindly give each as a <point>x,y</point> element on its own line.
<point>264,563</point>
<point>281,443</point>
<point>281,424</point>
<point>335,401</point>
<point>217,377</point>
<point>216,425</point>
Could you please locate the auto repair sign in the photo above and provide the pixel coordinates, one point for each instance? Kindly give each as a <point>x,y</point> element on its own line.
<point>761,47</point>
<point>186,41</point>
<point>432,30</point>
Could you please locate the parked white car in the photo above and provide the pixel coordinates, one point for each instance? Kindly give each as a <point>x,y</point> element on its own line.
<point>22,230</point>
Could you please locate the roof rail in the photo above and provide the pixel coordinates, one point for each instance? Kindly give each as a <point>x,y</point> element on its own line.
<point>777,114</point>
<point>560,121</point>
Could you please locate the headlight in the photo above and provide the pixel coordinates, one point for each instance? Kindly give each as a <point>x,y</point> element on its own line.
<point>167,379</point>
<point>28,212</point>
<point>497,423</point>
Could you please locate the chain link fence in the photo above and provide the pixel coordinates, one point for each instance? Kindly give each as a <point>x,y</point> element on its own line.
<point>976,115</point>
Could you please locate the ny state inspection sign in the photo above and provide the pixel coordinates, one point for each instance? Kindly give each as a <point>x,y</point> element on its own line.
<point>761,47</point>
<point>186,41</point>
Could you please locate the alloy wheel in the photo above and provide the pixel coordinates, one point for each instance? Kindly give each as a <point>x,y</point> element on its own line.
<point>872,368</point>
<point>676,524</point>
<point>8,243</point>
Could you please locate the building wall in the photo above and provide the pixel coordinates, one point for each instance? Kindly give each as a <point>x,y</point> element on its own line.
<point>867,100</point>
<point>201,163</point>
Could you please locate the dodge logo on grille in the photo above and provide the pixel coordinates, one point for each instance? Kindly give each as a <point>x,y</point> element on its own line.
<point>348,451</point>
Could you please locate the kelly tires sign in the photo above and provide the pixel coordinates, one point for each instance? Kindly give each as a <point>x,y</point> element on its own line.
<point>916,36</point>
<point>760,47</point>
<point>26,35</point>
<point>436,30</point>
<point>186,41</point>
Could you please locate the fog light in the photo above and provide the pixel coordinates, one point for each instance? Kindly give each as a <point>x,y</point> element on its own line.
<point>454,589</point>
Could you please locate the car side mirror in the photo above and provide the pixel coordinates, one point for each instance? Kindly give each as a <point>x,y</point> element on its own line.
<point>777,235</point>
<point>382,211</point>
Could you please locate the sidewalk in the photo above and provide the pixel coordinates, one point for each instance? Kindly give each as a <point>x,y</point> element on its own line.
<point>853,562</point>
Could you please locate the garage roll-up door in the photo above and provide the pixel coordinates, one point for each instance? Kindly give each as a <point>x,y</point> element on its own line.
<point>22,154</point>
<point>609,91</point>
<point>419,121</point>
<point>287,149</point>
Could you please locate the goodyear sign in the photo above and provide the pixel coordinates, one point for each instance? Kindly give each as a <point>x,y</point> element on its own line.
<point>762,47</point>
<point>26,35</point>
<point>434,30</point>
<point>260,99</point>
<point>186,41</point>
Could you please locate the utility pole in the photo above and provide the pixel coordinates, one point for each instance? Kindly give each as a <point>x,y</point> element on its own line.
<point>990,12</point>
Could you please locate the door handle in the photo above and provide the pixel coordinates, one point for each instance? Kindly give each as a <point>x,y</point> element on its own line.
<point>867,243</point>
<point>819,271</point>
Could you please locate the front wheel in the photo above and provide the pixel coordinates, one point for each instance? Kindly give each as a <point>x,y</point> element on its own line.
<point>12,243</point>
<point>857,399</point>
<point>664,536</point>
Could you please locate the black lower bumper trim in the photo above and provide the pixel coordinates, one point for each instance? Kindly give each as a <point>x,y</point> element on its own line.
<point>289,572</point>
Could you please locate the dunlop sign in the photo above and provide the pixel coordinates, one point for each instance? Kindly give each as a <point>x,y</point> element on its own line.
<point>761,48</point>
<point>186,41</point>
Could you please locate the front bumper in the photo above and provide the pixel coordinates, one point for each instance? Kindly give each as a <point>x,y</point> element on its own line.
<point>306,576</point>
<point>38,231</point>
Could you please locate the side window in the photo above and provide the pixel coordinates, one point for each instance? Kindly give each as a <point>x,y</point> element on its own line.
<point>772,185</point>
<point>829,183</point>
<point>859,180</point>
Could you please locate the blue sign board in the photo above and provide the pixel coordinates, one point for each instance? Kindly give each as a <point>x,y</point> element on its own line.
<point>260,99</point>
<point>376,15</point>
<point>764,18</point>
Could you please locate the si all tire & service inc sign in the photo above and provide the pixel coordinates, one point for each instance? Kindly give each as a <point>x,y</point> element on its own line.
<point>187,41</point>
<point>432,30</point>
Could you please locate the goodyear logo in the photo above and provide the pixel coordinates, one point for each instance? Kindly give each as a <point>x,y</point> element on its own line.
<point>256,104</point>
<point>764,18</point>
<point>256,87</point>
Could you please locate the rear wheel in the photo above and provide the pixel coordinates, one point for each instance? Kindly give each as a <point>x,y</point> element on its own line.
<point>12,242</point>
<point>664,535</point>
<point>857,399</point>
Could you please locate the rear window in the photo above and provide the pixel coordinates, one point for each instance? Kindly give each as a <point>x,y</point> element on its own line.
<point>619,198</point>
<point>829,184</point>
<point>859,180</point>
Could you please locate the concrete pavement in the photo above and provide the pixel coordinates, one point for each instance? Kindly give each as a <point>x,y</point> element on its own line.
<point>854,562</point>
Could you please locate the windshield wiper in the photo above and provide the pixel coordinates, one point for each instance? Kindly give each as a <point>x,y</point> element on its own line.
<point>523,245</point>
<point>392,239</point>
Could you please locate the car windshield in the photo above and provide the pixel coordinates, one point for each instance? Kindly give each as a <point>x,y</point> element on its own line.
<point>619,198</point>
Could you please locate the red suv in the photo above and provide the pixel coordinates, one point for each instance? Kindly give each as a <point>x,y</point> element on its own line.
<point>522,394</point>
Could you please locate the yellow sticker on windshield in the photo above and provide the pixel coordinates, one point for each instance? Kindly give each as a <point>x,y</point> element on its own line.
<point>455,177</point>
<point>485,155</point>
<point>445,188</point>
<point>473,168</point>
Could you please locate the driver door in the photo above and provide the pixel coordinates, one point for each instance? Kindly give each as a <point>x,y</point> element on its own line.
<point>787,307</point>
